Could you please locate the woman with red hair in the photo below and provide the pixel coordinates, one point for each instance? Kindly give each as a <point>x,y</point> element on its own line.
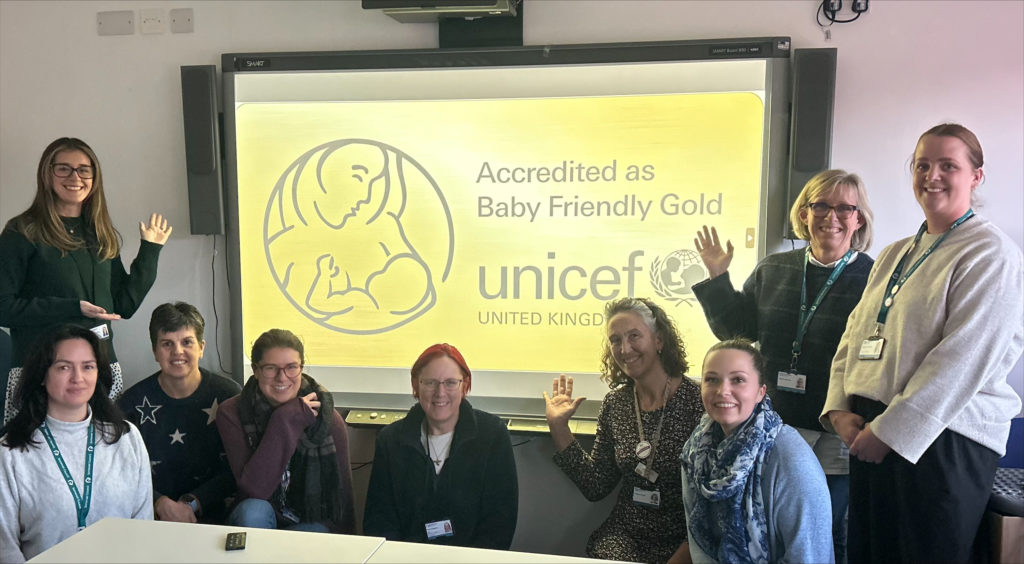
<point>445,474</point>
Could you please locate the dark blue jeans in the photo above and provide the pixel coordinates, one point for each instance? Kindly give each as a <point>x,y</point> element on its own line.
<point>259,514</point>
<point>839,491</point>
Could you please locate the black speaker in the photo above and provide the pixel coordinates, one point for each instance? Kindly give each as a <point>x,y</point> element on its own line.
<point>810,133</point>
<point>202,149</point>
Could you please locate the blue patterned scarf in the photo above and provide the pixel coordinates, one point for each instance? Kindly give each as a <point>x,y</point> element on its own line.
<point>726,474</point>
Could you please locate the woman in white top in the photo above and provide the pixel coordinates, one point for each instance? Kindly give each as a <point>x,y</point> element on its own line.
<point>69,458</point>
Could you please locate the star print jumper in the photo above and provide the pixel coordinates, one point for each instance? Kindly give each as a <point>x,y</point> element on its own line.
<point>184,446</point>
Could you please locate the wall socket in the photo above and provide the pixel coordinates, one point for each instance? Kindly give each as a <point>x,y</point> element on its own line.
<point>181,20</point>
<point>151,20</point>
<point>120,22</point>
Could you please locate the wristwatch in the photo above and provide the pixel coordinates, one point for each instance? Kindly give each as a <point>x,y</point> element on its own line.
<point>192,501</point>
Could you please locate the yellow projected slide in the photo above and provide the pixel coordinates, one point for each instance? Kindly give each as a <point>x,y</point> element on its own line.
<point>373,229</point>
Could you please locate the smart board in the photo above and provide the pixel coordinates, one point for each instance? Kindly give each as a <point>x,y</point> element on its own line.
<point>384,201</point>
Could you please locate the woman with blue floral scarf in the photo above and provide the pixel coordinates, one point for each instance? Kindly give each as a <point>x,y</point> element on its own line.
<point>752,488</point>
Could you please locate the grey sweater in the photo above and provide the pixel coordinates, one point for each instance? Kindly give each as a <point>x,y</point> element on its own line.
<point>36,507</point>
<point>953,334</point>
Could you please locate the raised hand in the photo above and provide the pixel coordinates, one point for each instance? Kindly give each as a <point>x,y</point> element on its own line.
<point>716,260</point>
<point>313,403</point>
<point>560,406</point>
<point>157,231</point>
<point>96,312</point>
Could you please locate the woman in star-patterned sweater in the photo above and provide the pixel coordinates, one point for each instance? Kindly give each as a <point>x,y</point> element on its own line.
<point>175,410</point>
<point>184,446</point>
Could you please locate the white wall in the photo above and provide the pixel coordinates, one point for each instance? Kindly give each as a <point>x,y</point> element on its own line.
<point>903,67</point>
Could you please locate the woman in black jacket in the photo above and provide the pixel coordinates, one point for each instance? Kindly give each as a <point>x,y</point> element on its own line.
<point>445,473</point>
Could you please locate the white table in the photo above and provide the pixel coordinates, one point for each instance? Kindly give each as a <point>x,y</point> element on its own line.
<point>393,552</point>
<point>127,540</point>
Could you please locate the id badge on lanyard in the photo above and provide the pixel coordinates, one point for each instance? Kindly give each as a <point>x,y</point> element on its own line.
<point>872,347</point>
<point>648,498</point>
<point>791,380</point>
<point>437,529</point>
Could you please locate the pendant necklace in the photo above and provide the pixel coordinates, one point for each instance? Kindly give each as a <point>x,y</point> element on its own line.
<point>439,454</point>
<point>645,448</point>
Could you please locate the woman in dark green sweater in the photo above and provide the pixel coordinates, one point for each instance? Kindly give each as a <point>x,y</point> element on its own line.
<point>61,259</point>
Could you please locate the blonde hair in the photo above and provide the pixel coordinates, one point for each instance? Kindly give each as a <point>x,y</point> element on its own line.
<point>40,223</point>
<point>825,182</point>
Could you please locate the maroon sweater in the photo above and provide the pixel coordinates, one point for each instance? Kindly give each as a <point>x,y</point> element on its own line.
<point>258,473</point>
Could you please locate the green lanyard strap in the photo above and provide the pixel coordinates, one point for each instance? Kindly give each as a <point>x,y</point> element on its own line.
<point>82,501</point>
<point>806,313</point>
<point>896,281</point>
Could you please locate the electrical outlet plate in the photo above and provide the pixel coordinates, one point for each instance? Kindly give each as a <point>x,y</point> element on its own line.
<point>181,20</point>
<point>151,20</point>
<point>121,22</point>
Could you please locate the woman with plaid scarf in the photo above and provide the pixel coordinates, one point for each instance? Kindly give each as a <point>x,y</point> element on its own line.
<point>287,446</point>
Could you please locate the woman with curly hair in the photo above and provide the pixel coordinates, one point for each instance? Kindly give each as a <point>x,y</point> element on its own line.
<point>652,408</point>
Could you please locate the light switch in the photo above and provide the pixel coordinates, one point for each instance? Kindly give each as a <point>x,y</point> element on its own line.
<point>181,20</point>
<point>151,20</point>
<point>121,22</point>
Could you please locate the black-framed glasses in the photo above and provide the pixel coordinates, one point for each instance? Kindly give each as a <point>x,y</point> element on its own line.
<point>62,170</point>
<point>449,385</point>
<point>271,370</point>
<point>821,209</point>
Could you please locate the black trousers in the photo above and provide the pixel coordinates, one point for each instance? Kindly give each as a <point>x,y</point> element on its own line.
<point>924,512</point>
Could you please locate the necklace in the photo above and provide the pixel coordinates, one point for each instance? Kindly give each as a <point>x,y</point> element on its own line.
<point>71,224</point>
<point>439,452</point>
<point>646,448</point>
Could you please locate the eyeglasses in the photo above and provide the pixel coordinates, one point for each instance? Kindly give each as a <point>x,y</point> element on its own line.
<point>271,370</point>
<point>432,385</point>
<point>61,170</point>
<point>821,209</point>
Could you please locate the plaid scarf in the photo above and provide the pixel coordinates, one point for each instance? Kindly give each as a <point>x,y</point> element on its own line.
<point>726,472</point>
<point>312,492</point>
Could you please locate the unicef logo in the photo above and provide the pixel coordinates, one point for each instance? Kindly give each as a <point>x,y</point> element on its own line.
<point>674,276</point>
<point>357,236</point>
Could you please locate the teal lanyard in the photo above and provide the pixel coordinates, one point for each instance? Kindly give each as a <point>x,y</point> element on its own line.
<point>81,501</point>
<point>807,313</point>
<point>896,281</point>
